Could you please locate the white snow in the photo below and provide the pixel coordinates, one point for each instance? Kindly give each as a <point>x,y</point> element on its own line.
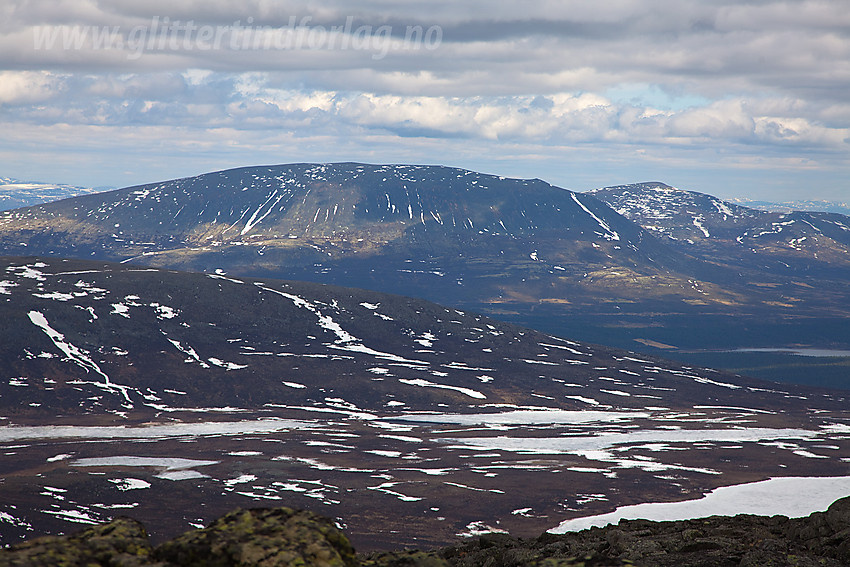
<point>55,295</point>
<point>526,417</point>
<point>18,433</point>
<point>611,234</point>
<point>5,286</point>
<point>60,457</point>
<point>124,484</point>
<point>180,475</point>
<point>120,309</point>
<point>427,384</point>
<point>76,516</point>
<point>164,311</point>
<point>29,271</point>
<point>253,221</point>
<point>788,496</point>
<point>76,355</point>
<point>227,365</point>
<point>241,479</point>
<point>615,392</point>
<point>475,529</point>
<point>10,519</point>
<point>345,340</point>
<point>165,463</point>
<point>385,488</point>
<point>190,352</point>
<point>385,453</point>
<point>699,225</point>
<point>590,401</point>
<point>594,446</point>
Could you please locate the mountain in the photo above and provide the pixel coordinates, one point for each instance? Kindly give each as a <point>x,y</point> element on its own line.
<point>718,277</point>
<point>798,241</point>
<point>115,338</point>
<point>125,387</point>
<point>798,261</point>
<point>15,193</point>
<point>314,219</point>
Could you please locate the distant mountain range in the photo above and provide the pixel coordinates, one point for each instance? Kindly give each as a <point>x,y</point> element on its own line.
<point>839,207</point>
<point>15,193</point>
<point>778,246</point>
<point>640,266</point>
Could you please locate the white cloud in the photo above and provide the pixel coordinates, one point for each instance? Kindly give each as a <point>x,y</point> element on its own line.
<point>643,82</point>
<point>27,87</point>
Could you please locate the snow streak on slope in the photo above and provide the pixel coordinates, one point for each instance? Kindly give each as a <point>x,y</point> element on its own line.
<point>77,355</point>
<point>610,234</point>
<point>345,340</point>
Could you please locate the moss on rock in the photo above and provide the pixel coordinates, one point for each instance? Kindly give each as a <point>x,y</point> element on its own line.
<point>123,542</point>
<point>279,537</point>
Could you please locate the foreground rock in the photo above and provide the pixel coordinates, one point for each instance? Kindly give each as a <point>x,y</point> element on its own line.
<point>822,539</point>
<point>283,537</point>
<point>120,542</point>
<point>262,537</point>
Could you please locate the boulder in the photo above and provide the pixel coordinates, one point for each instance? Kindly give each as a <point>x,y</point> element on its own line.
<point>279,537</point>
<point>123,542</point>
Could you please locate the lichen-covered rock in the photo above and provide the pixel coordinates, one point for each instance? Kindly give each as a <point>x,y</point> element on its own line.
<point>407,558</point>
<point>502,550</point>
<point>278,537</point>
<point>120,543</point>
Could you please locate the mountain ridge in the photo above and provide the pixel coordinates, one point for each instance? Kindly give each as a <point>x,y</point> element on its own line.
<point>83,322</point>
<point>520,250</point>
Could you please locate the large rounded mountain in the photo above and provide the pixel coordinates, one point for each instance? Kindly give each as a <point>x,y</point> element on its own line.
<point>441,233</point>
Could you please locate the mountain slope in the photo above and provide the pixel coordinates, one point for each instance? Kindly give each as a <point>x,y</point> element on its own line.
<point>125,387</point>
<point>85,337</point>
<point>338,223</point>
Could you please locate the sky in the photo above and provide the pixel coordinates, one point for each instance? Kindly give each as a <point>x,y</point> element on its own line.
<point>739,99</point>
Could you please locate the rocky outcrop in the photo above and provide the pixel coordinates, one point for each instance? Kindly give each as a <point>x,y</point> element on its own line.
<point>122,542</point>
<point>284,537</point>
<point>822,539</point>
<point>278,537</point>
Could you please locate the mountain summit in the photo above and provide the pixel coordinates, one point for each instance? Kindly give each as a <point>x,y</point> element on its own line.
<point>445,234</point>
<point>321,212</point>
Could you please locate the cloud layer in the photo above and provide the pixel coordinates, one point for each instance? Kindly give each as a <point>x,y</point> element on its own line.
<point>734,92</point>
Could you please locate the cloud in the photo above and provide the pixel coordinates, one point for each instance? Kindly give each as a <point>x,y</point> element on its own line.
<point>649,82</point>
<point>27,87</point>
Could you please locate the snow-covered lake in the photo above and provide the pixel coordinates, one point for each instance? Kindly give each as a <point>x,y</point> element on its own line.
<point>794,497</point>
